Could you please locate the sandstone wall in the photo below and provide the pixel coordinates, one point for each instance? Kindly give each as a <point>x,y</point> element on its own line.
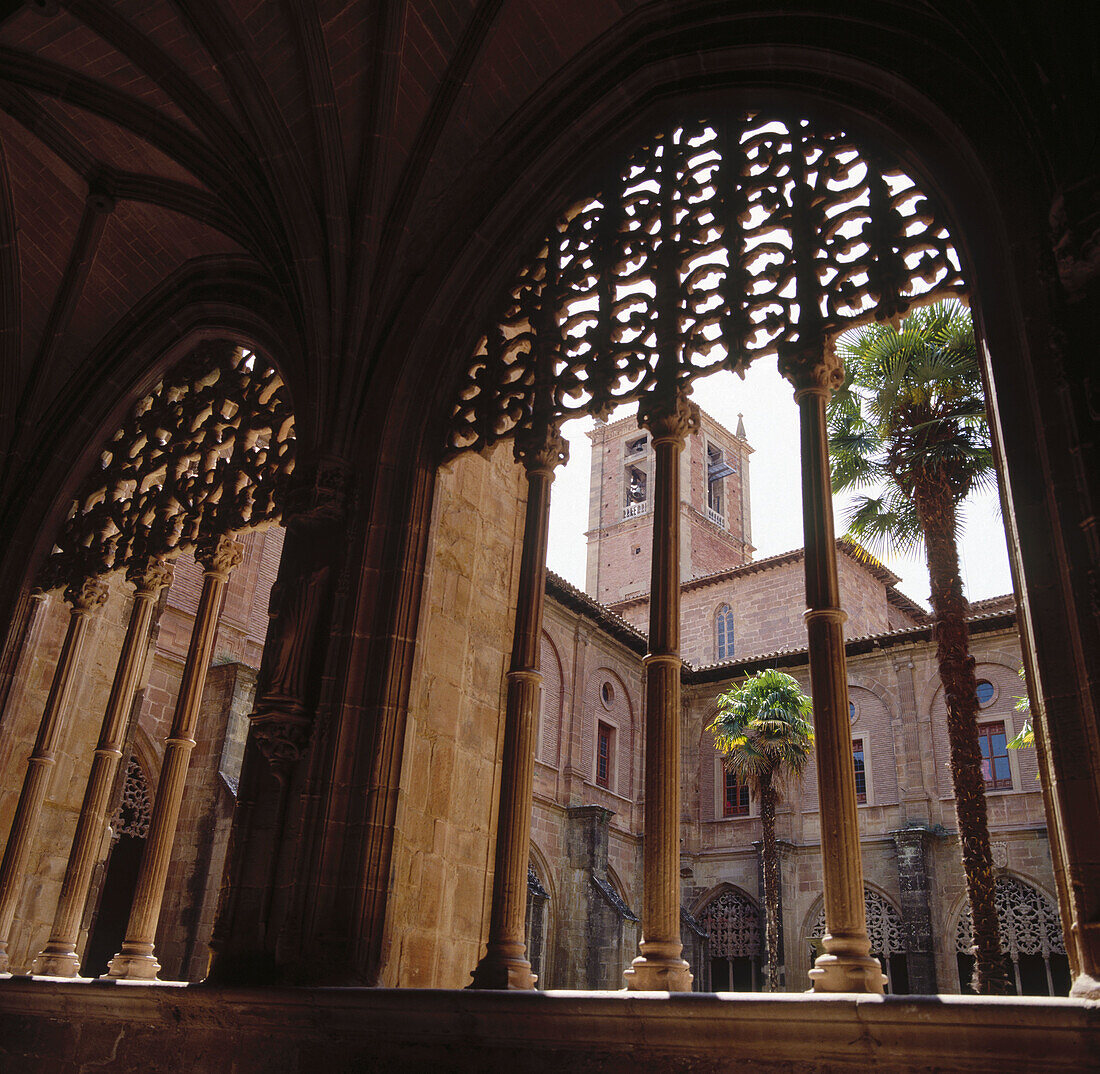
<point>446,816</point>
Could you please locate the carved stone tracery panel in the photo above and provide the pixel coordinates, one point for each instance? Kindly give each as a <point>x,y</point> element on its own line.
<point>134,811</point>
<point>1029,922</point>
<point>711,244</point>
<point>884,925</point>
<point>733,924</point>
<point>206,453</point>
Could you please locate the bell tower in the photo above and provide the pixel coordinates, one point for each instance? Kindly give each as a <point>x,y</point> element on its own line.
<point>715,527</point>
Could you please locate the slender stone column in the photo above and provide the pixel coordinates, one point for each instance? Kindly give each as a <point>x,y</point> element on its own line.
<point>504,964</point>
<point>58,958</point>
<point>136,962</point>
<point>85,599</point>
<point>669,417</point>
<point>846,965</point>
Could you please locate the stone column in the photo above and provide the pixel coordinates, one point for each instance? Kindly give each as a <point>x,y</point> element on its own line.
<point>136,961</point>
<point>915,911</point>
<point>846,965</point>
<point>58,958</point>
<point>669,417</point>
<point>504,964</point>
<point>86,598</point>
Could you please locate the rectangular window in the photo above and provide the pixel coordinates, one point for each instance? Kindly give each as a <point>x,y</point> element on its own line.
<point>994,746</point>
<point>604,736</point>
<point>861,770</point>
<point>736,799</point>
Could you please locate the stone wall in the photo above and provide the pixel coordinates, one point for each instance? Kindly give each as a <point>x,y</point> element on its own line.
<point>446,817</point>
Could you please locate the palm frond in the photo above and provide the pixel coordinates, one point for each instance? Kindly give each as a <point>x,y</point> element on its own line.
<point>763,727</point>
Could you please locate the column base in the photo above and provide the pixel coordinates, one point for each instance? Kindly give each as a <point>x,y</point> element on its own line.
<point>655,972</point>
<point>848,973</point>
<point>135,962</point>
<point>1085,987</point>
<point>56,960</point>
<point>502,968</point>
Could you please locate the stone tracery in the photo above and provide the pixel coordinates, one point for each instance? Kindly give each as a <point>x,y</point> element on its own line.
<point>207,452</point>
<point>780,234</point>
<point>732,921</point>
<point>1029,922</point>
<point>132,815</point>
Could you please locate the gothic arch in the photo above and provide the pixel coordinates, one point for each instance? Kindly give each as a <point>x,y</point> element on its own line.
<point>1031,937</point>
<point>885,929</point>
<point>735,946</point>
<point>210,298</point>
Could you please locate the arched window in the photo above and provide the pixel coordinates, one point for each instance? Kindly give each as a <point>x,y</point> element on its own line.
<point>723,626</point>
<point>129,827</point>
<point>1031,937</point>
<point>884,930</point>
<point>732,921</point>
<point>538,898</point>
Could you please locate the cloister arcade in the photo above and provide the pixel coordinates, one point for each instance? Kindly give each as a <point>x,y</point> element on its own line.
<point>284,266</point>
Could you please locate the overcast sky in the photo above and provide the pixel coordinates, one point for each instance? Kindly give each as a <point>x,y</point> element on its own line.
<point>771,425</point>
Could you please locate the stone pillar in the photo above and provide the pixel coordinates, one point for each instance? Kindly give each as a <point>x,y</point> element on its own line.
<point>846,965</point>
<point>915,911</point>
<point>86,598</point>
<point>136,961</point>
<point>58,958</point>
<point>504,964</point>
<point>669,417</point>
<point>253,915</point>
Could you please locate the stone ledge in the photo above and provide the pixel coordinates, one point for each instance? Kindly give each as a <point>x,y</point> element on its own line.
<point>77,1026</point>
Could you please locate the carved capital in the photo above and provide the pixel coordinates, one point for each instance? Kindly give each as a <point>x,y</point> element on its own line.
<point>220,555</point>
<point>541,447</point>
<point>282,738</point>
<point>317,492</point>
<point>668,414</point>
<point>87,596</point>
<point>150,575</point>
<point>812,367</point>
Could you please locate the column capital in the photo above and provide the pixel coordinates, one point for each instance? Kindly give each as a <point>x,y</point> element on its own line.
<point>812,367</point>
<point>540,448</point>
<point>668,415</point>
<point>219,555</point>
<point>282,739</point>
<point>150,575</point>
<point>88,595</point>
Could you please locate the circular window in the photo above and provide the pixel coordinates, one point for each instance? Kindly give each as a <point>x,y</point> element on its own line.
<point>852,711</point>
<point>607,695</point>
<point>985,692</point>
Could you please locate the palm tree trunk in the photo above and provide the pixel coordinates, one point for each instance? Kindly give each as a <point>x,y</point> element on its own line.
<point>937,511</point>
<point>771,883</point>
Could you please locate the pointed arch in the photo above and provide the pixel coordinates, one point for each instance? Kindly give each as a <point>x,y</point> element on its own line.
<point>1031,939</point>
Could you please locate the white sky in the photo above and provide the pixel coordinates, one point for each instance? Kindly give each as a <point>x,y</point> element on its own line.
<point>771,425</point>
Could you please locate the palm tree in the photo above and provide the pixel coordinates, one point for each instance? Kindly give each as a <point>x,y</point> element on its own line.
<point>909,425</point>
<point>763,729</point>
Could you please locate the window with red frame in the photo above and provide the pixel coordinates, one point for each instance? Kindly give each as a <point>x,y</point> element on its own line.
<point>735,801</point>
<point>605,736</point>
<point>994,746</point>
<point>861,770</point>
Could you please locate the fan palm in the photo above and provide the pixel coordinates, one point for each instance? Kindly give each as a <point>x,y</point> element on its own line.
<point>762,728</point>
<point>909,425</point>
